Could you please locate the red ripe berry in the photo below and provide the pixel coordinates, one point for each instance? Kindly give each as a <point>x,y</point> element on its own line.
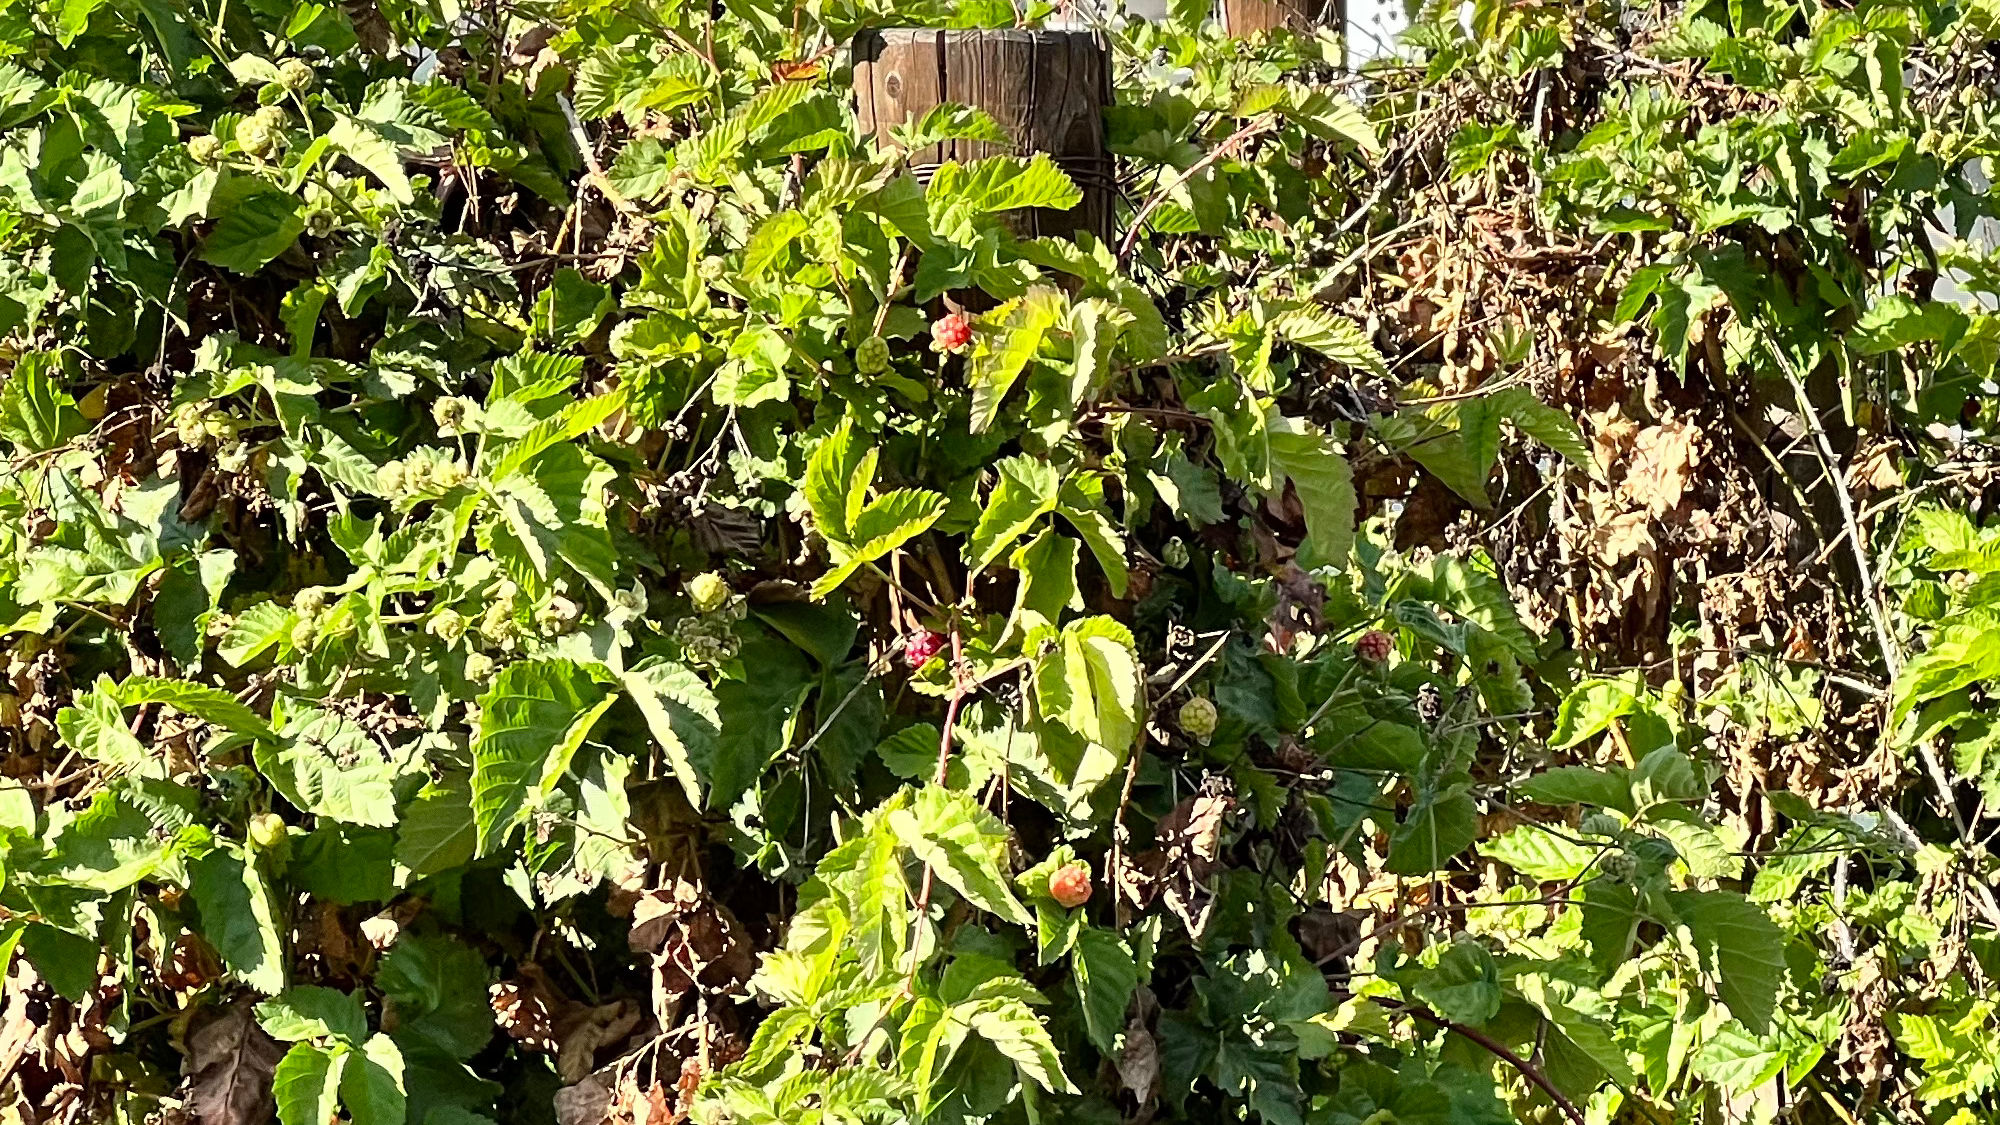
<point>921,645</point>
<point>1070,885</point>
<point>952,331</point>
<point>1374,646</point>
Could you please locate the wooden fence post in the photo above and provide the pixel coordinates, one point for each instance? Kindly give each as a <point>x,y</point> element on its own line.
<point>1241,17</point>
<point>1047,89</point>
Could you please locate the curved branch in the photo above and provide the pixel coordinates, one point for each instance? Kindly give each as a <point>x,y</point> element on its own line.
<point>1499,1050</point>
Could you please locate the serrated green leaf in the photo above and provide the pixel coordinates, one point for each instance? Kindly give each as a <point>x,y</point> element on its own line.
<point>681,711</point>
<point>1325,487</point>
<point>307,1083</point>
<point>253,232</point>
<point>1106,977</point>
<point>1007,339</point>
<point>886,523</point>
<point>240,918</point>
<point>371,1085</point>
<point>966,847</point>
<point>536,714</point>
<point>1740,947</point>
<point>1090,682</point>
<point>1540,855</point>
<point>1027,490</point>
<point>315,1012</point>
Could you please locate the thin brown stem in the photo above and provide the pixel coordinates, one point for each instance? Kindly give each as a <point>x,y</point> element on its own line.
<point>1499,1050</point>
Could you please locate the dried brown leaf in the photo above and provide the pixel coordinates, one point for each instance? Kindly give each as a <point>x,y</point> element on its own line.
<point>232,1060</point>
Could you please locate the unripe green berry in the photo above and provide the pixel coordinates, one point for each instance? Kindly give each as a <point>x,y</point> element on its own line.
<point>872,356</point>
<point>205,149</point>
<point>267,831</point>
<point>449,413</point>
<point>709,592</point>
<point>447,625</point>
<point>190,421</point>
<point>1198,718</point>
<point>389,479</point>
<point>259,136</point>
<point>497,623</point>
<point>296,75</point>
<point>310,600</point>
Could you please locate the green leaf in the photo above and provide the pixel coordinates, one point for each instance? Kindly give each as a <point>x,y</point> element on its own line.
<point>868,873</point>
<point>1582,785</point>
<point>1026,492</point>
<point>327,765</point>
<point>1001,183</point>
<point>1047,588</point>
<point>572,421</point>
<point>307,1083</point>
<point>1589,710</point>
<point>253,232</point>
<point>684,717</point>
<point>1666,774</point>
<point>108,846</point>
<point>1546,424</point>
<point>534,717</point>
<point>836,483</point>
<point>1332,116</point>
<point>36,414</point>
<point>1740,947</point>
<point>311,1011</point>
<point>948,121</point>
<point>371,1086</point>
<point>1464,986</point>
<point>436,832</point>
<point>966,847</point>
<point>1325,486</point>
<point>888,522</point>
<point>1470,590</point>
<point>1017,1032</point>
<point>1539,854</point>
<point>756,715</point>
<point>94,726</point>
<point>345,864</point>
<point>1007,339</point>
<point>1090,682</point>
<point>199,700</point>
<point>1437,827</point>
<point>1330,334</point>
<point>1107,975</point>
<point>240,918</point>
<point>775,1039</point>
<point>255,630</point>
<point>1705,850</point>
<point>1894,322</point>
<point>772,238</point>
<point>67,961</point>
<point>1083,509</point>
<point>366,146</point>
<point>438,987</point>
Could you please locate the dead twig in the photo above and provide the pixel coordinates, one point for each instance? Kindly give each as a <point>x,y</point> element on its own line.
<point>1499,1050</point>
